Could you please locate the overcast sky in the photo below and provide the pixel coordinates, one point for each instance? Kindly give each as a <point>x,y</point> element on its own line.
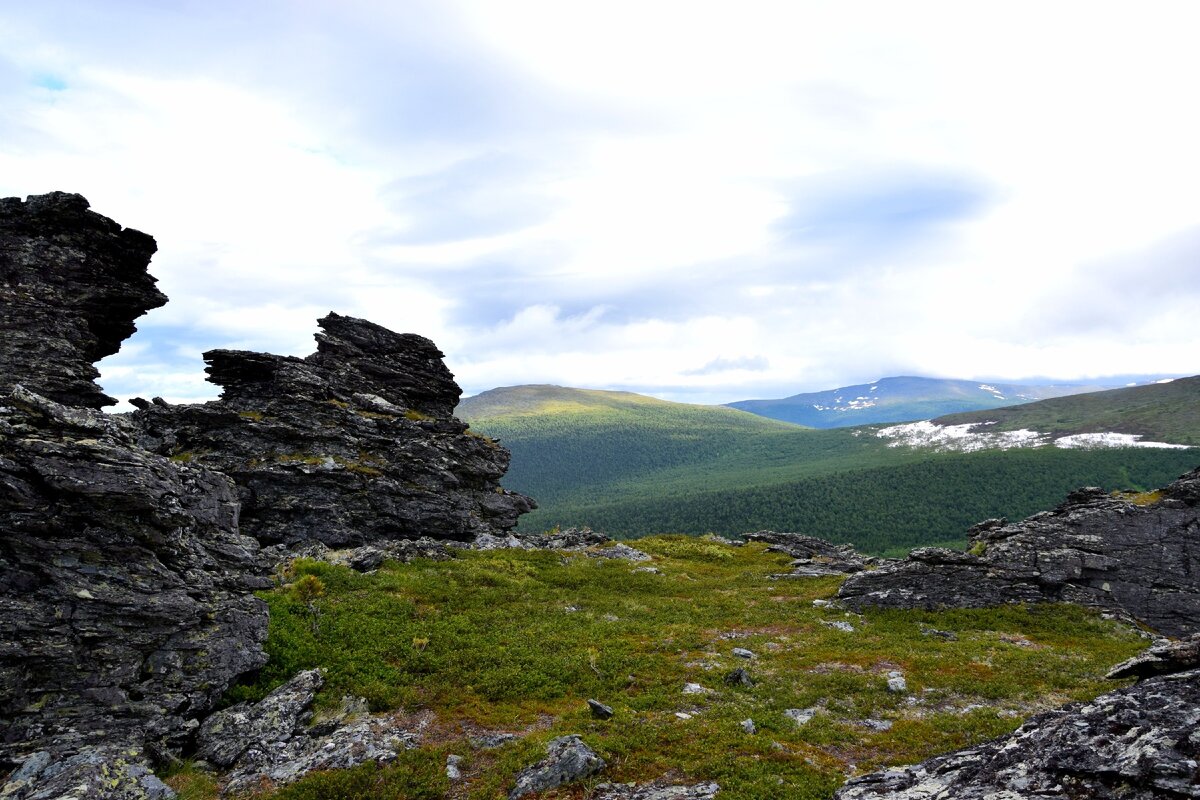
<point>704,201</point>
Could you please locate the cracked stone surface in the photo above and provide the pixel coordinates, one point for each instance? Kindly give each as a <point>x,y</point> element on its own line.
<point>1140,561</point>
<point>1137,743</point>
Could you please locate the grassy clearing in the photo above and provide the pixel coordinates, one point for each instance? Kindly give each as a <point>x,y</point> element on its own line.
<point>517,641</point>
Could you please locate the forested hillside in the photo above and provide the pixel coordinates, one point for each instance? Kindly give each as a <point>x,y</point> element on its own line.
<point>630,465</point>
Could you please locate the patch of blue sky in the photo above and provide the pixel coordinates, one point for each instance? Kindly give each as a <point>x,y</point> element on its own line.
<point>879,210</point>
<point>50,82</point>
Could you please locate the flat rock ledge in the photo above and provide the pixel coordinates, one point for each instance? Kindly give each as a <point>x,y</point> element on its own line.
<point>1137,743</point>
<point>569,540</point>
<point>813,557</point>
<point>658,790</point>
<point>270,743</point>
<point>1137,558</point>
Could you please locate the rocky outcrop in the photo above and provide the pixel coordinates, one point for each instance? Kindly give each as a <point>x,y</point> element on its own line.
<point>1137,743</point>
<point>1136,557</point>
<point>125,587</point>
<point>270,743</point>
<point>353,444</point>
<point>813,557</point>
<point>71,284</point>
<point>126,604</point>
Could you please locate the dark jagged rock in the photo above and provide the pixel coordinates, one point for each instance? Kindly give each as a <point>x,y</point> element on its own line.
<point>125,585</point>
<point>813,557</point>
<point>1137,560</point>
<point>71,284</point>
<point>1137,743</point>
<point>269,743</point>
<point>567,759</point>
<point>353,444</point>
<point>125,605</point>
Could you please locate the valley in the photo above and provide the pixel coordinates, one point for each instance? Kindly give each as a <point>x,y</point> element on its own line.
<point>628,464</point>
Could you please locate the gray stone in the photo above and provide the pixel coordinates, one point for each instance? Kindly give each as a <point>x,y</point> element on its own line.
<point>801,716</point>
<point>599,710</point>
<point>748,726</point>
<point>95,773</point>
<point>125,585</point>
<point>813,557</point>
<point>659,790</point>
<point>1104,551</point>
<point>742,652</point>
<point>1162,658</point>
<point>567,759</point>
<point>269,744</point>
<point>454,767</point>
<point>896,683</point>
<point>1137,743</point>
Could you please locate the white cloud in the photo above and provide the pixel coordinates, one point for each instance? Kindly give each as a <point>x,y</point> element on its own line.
<point>593,193</point>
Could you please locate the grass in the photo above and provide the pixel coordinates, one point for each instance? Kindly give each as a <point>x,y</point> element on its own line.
<point>517,641</point>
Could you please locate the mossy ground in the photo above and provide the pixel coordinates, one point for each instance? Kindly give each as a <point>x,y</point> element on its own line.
<point>517,641</point>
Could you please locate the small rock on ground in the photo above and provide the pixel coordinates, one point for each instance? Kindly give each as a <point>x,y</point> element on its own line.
<point>567,759</point>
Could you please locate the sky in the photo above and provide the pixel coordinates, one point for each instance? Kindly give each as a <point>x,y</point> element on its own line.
<point>702,201</point>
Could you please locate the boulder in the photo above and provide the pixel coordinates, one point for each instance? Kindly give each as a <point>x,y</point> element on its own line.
<point>567,759</point>
<point>813,557</point>
<point>269,743</point>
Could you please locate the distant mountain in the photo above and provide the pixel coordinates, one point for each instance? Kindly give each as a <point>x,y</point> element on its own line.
<point>1168,411</point>
<point>631,465</point>
<point>901,399</point>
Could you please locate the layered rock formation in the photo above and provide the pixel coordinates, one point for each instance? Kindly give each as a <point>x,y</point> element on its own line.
<point>1137,743</point>
<point>353,444</point>
<point>71,284</point>
<point>126,605</point>
<point>1138,557</point>
<point>125,585</point>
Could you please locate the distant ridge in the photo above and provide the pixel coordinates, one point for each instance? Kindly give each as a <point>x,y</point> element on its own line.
<point>902,398</point>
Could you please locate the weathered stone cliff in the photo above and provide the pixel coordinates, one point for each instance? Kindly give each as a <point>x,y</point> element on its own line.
<point>1138,557</point>
<point>125,585</point>
<point>126,605</point>
<point>353,444</point>
<point>71,284</point>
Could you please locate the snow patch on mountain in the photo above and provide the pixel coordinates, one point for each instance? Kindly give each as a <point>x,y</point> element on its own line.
<point>969,438</point>
<point>958,438</point>
<point>1092,441</point>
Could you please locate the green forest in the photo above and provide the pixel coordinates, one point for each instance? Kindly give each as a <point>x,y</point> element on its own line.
<point>630,465</point>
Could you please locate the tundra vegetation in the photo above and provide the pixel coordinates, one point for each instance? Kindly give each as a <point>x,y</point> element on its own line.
<point>517,641</point>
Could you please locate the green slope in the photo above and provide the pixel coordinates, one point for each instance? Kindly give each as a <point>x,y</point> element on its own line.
<point>632,465</point>
<point>1161,412</point>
